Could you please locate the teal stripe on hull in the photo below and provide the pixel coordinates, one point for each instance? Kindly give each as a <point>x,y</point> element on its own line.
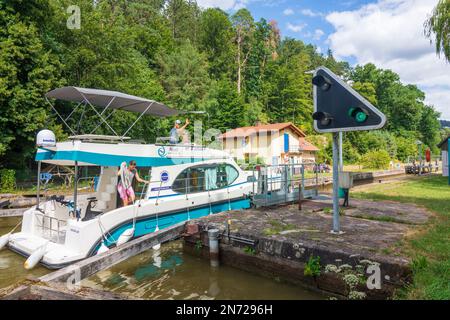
<point>103,159</point>
<point>147,226</point>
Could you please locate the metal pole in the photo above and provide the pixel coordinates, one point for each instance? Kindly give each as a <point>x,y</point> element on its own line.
<point>213,236</point>
<point>75,192</point>
<point>341,161</point>
<point>38,195</point>
<point>448,162</point>
<point>140,116</point>
<point>57,113</point>
<point>317,180</point>
<point>95,110</point>
<point>336,226</point>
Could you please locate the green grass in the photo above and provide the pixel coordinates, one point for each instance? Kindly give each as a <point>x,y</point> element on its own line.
<point>379,218</point>
<point>277,227</point>
<point>429,247</point>
<point>249,250</point>
<point>328,210</point>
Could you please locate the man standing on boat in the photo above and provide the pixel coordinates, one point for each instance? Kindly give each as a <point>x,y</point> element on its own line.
<point>177,132</point>
<point>125,185</point>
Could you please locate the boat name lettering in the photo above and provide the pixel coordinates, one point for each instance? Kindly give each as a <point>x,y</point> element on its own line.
<point>161,188</point>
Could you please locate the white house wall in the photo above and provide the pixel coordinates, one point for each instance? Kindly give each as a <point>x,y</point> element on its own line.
<point>266,146</point>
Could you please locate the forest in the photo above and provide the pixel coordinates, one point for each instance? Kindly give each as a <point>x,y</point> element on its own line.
<point>240,71</point>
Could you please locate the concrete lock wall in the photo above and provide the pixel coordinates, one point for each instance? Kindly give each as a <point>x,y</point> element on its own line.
<point>286,261</point>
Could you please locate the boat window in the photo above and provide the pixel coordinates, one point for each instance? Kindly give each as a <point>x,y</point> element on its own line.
<point>204,178</point>
<point>180,184</point>
<point>144,173</point>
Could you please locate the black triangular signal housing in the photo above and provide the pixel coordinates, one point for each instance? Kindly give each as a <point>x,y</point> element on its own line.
<point>338,107</point>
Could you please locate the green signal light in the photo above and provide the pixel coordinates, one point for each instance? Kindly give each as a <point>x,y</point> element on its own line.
<point>361,117</point>
<point>359,114</point>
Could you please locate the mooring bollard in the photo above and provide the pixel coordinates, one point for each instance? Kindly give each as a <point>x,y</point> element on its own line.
<point>213,235</point>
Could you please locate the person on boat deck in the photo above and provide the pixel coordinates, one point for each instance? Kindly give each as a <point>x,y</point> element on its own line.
<point>176,132</point>
<point>125,185</point>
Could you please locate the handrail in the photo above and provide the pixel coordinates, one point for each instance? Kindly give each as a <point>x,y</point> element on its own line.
<point>50,227</point>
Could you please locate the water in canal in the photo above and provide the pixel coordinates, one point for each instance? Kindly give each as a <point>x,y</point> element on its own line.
<point>171,274</point>
<point>165,274</point>
<point>11,264</point>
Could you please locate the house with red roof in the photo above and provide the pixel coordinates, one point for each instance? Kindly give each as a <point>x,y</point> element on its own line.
<point>278,143</point>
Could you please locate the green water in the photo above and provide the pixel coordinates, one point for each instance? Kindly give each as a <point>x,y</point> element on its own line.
<point>165,274</point>
<point>171,274</point>
<point>11,264</point>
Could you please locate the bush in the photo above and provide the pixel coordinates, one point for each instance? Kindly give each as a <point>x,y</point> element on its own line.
<point>406,147</point>
<point>7,180</point>
<point>312,267</point>
<point>377,159</point>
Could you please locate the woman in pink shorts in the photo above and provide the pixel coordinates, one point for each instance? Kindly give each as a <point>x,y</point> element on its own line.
<point>125,185</point>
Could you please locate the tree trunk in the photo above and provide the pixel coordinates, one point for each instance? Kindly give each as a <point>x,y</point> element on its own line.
<point>239,64</point>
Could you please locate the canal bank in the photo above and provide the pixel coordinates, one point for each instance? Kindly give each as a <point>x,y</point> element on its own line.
<point>326,275</point>
<point>297,247</point>
<point>136,271</point>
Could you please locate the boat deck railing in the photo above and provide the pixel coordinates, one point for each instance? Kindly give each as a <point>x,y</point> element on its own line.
<point>51,228</point>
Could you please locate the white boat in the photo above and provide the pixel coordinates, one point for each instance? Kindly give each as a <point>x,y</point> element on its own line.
<point>186,182</point>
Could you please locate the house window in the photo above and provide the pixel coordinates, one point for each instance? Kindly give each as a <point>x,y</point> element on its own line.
<point>245,141</point>
<point>205,178</point>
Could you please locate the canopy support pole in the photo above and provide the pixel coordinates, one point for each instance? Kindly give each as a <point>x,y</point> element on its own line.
<point>88,102</point>
<point>103,111</point>
<point>70,114</point>
<point>140,116</point>
<point>81,119</point>
<point>56,111</point>
<point>107,117</point>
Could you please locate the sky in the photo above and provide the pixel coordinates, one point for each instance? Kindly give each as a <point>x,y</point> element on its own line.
<point>388,33</point>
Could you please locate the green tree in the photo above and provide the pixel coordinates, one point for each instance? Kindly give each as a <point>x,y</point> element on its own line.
<point>244,29</point>
<point>225,106</point>
<point>216,40</point>
<point>257,60</point>
<point>290,95</point>
<point>438,25</point>
<point>27,71</point>
<point>183,17</point>
<point>339,67</point>
<point>114,63</point>
<point>406,147</point>
<point>184,76</point>
<point>367,90</point>
<point>429,127</point>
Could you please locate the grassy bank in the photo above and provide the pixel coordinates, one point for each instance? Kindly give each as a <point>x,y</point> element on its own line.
<point>429,247</point>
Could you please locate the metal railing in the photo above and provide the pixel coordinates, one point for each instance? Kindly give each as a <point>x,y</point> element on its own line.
<point>277,184</point>
<point>51,227</point>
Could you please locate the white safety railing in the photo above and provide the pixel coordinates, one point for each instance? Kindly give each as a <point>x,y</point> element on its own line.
<point>51,228</point>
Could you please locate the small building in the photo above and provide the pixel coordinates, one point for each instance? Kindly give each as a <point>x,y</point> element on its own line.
<point>274,144</point>
<point>444,146</point>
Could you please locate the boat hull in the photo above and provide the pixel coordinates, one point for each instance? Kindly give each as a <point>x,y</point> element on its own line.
<point>58,257</point>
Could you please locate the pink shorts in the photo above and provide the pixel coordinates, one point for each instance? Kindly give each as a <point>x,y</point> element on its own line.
<point>125,193</point>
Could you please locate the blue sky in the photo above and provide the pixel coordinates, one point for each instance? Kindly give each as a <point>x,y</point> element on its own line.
<point>388,33</point>
<point>309,15</point>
